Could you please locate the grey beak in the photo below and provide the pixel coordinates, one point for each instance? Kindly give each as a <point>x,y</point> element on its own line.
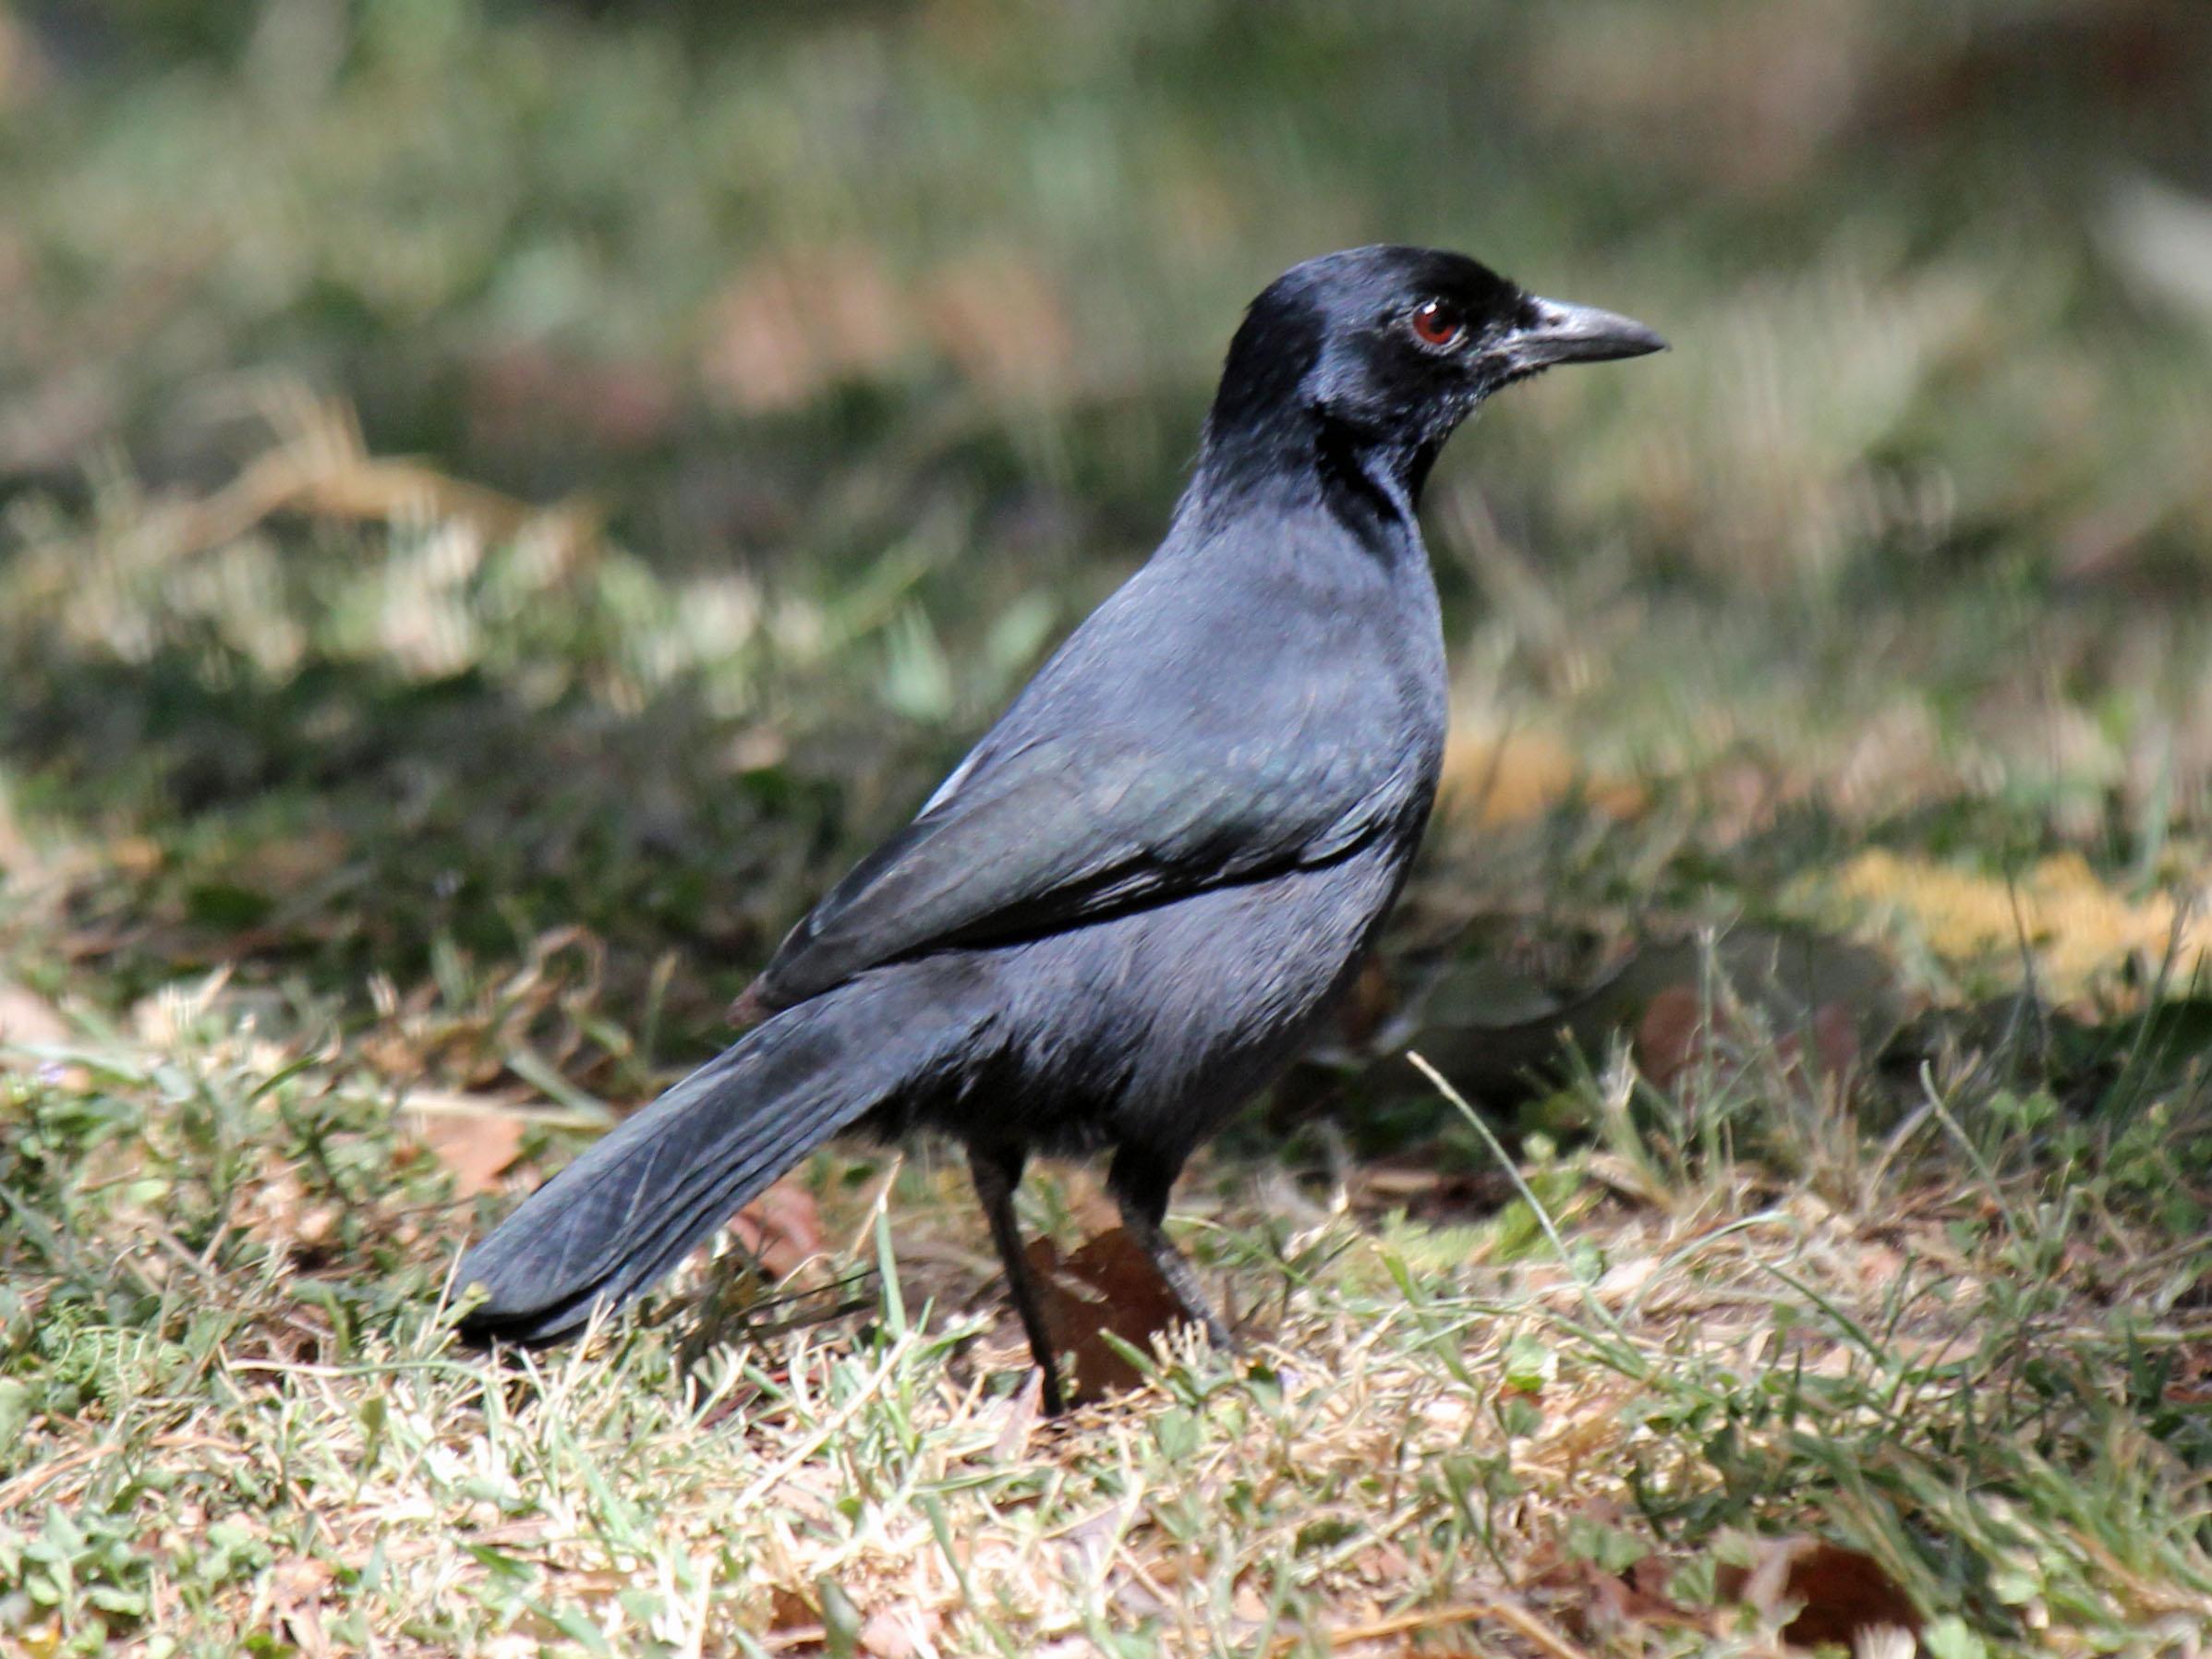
<point>1562,332</point>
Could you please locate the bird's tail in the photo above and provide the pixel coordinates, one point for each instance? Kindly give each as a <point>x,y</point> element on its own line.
<point>623,1214</point>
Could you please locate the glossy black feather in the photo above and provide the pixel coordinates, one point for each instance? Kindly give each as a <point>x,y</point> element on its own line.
<point>1125,910</point>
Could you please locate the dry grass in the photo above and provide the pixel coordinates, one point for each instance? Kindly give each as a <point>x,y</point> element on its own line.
<point>1448,1433</point>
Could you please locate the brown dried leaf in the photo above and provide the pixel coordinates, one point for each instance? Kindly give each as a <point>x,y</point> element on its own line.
<point>1023,1412</point>
<point>27,1018</point>
<point>1385,1563</point>
<point>1108,1285</point>
<point>477,1148</point>
<point>300,1585</point>
<point>780,1229</point>
<point>1671,1036</point>
<point>1675,1034</point>
<point>1246,1601</point>
<point>898,1632</point>
<point>789,1611</point>
<point>1835,1038</point>
<point>1839,1593</point>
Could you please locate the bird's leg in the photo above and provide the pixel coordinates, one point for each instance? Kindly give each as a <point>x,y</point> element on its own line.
<point>1140,1184</point>
<point>996,1174</point>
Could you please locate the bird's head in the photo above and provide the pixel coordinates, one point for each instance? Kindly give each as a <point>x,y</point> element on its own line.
<point>1384,351</point>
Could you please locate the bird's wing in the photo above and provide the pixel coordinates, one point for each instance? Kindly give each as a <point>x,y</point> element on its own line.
<point>1028,839</point>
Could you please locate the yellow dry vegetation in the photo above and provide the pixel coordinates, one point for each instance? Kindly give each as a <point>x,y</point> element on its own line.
<point>1497,776</point>
<point>2077,926</point>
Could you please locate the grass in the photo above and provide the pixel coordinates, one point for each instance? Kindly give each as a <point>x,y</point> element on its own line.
<point>458,605</point>
<point>246,1419</point>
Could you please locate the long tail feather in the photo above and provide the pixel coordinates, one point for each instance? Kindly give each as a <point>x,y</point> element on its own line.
<point>599,1233</point>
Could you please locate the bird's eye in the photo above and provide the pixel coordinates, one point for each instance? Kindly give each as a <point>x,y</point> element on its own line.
<point>1436,324</point>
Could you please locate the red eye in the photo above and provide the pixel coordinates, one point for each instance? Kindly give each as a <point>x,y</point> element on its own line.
<point>1437,323</point>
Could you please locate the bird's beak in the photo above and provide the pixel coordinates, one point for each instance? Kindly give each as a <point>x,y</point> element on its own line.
<point>1562,332</point>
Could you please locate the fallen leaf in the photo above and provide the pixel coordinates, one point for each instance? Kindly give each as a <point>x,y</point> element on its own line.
<point>476,1148</point>
<point>1625,1280</point>
<point>1023,1412</point>
<point>780,1229</point>
<point>299,1588</point>
<point>1677,1029</point>
<point>1797,979</point>
<point>1839,1593</point>
<point>28,1019</point>
<point>1835,1038</point>
<point>1108,1285</point>
<point>1385,1563</point>
<point>898,1632</point>
<point>792,1615</point>
<point>1247,1605</point>
<point>1671,1036</point>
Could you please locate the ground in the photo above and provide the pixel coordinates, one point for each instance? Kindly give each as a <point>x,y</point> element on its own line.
<point>500,504</point>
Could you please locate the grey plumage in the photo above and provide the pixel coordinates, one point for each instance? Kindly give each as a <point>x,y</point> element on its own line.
<point>1126,909</point>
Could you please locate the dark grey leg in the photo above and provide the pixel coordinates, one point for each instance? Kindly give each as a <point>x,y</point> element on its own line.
<point>1139,1186</point>
<point>996,1175</point>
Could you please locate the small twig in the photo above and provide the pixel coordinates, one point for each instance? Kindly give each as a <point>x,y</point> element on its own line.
<point>32,1480</point>
<point>447,1103</point>
<point>170,1245</point>
<point>1915,1120</point>
<point>379,1369</point>
<point>797,1636</point>
<point>1543,1635</point>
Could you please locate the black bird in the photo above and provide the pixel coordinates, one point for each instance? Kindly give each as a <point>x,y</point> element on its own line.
<point>1126,909</point>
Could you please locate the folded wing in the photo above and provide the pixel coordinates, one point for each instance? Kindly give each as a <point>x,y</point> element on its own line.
<point>1029,836</point>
